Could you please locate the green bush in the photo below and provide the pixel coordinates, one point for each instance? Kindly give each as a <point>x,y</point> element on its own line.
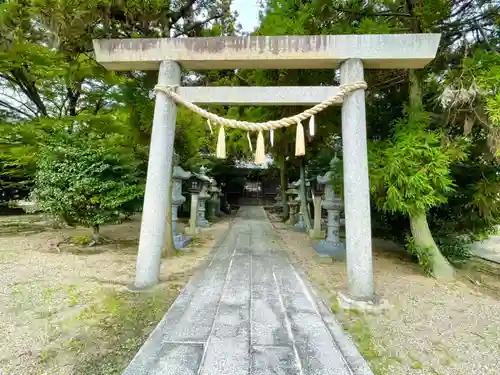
<point>88,176</point>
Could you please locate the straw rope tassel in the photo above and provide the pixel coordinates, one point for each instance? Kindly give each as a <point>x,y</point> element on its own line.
<point>210,127</point>
<point>271,136</point>
<point>221,144</point>
<point>259,150</point>
<point>300,144</point>
<point>249,142</point>
<point>312,126</point>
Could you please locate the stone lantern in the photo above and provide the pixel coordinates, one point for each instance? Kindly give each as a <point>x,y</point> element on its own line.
<point>195,185</point>
<point>301,225</point>
<point>331,246</point>
<point>279,203</point>
<point>179,174</point>
<point>202,222</point>
<point>213,191</point>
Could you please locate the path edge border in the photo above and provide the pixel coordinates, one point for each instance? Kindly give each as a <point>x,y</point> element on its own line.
<point>355,361</point>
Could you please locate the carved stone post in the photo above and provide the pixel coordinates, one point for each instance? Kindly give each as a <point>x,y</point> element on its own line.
<point>179,174</point>
<point>300,226</point>
<point>212,202</point>
<point>331,246</point>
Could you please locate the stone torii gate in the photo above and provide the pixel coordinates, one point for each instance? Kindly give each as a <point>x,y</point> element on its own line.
<point>354,53</point>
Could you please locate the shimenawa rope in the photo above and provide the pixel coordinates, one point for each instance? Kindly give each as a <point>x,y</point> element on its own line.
<point>262,126</point>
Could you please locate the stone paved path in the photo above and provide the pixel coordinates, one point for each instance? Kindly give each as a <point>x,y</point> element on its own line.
<point>248,312</point>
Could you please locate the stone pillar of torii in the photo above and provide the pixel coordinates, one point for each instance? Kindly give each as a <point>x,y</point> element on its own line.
<point>353,53</point>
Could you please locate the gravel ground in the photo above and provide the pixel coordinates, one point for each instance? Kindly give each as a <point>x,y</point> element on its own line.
<point>42,289</point>
<point>431,328</point>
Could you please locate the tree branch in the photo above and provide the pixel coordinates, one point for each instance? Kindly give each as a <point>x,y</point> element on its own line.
<point>376,14</point>
<point>181,12</point>
<point>28,87</point>
<point>193,26</point>
<point>21,103</point>
<point>12,108</point>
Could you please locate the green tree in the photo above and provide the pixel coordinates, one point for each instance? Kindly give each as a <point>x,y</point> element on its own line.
<point>88,175</point>
<point>409,174</point>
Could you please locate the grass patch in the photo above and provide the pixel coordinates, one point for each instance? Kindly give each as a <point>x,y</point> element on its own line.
<point>115,329</point>
<point>199,241</point>
<point>375,354</point>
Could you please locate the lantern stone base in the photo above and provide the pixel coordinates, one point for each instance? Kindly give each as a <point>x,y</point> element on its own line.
<point>181,241</point>
<point>202,223</point>
<point>326,248</point>
<point>300,226</point>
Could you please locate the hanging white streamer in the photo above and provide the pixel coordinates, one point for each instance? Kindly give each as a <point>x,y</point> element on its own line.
<point>210,127</point>
<point>249,142</point>
<point>271,136</point>
<point>312,126</point>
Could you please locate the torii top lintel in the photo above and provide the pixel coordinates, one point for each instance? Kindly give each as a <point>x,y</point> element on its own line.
<point>378,51</point>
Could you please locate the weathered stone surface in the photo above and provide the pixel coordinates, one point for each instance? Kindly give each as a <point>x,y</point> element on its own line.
<point>247,311</point>
<point>326,248</point>
<point>262,95</point>
<point>356,186</point>
<point>394,51</point>
<point>169,359</point>
<point>226,357</point>
<point>159,176</point>
<point>274,361</point>
<point>178,175</point>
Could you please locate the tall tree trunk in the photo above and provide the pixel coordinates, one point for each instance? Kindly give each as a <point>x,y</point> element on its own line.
<point>284,186</point>
<point>439,265</point>
<point>428,252</point>
<point>415,91</point>
<point>303,198</point>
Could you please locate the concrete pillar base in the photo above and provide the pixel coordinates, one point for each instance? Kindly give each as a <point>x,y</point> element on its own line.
<point>144,289</point>
<point>375,305</point>
<point>326,248</point>
<point>300,227</point>
<point>191,232</point>
<point>292,220</point>
<point>316,234</point>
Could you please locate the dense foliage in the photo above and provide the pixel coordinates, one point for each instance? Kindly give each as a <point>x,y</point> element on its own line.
<point>88,175</point>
